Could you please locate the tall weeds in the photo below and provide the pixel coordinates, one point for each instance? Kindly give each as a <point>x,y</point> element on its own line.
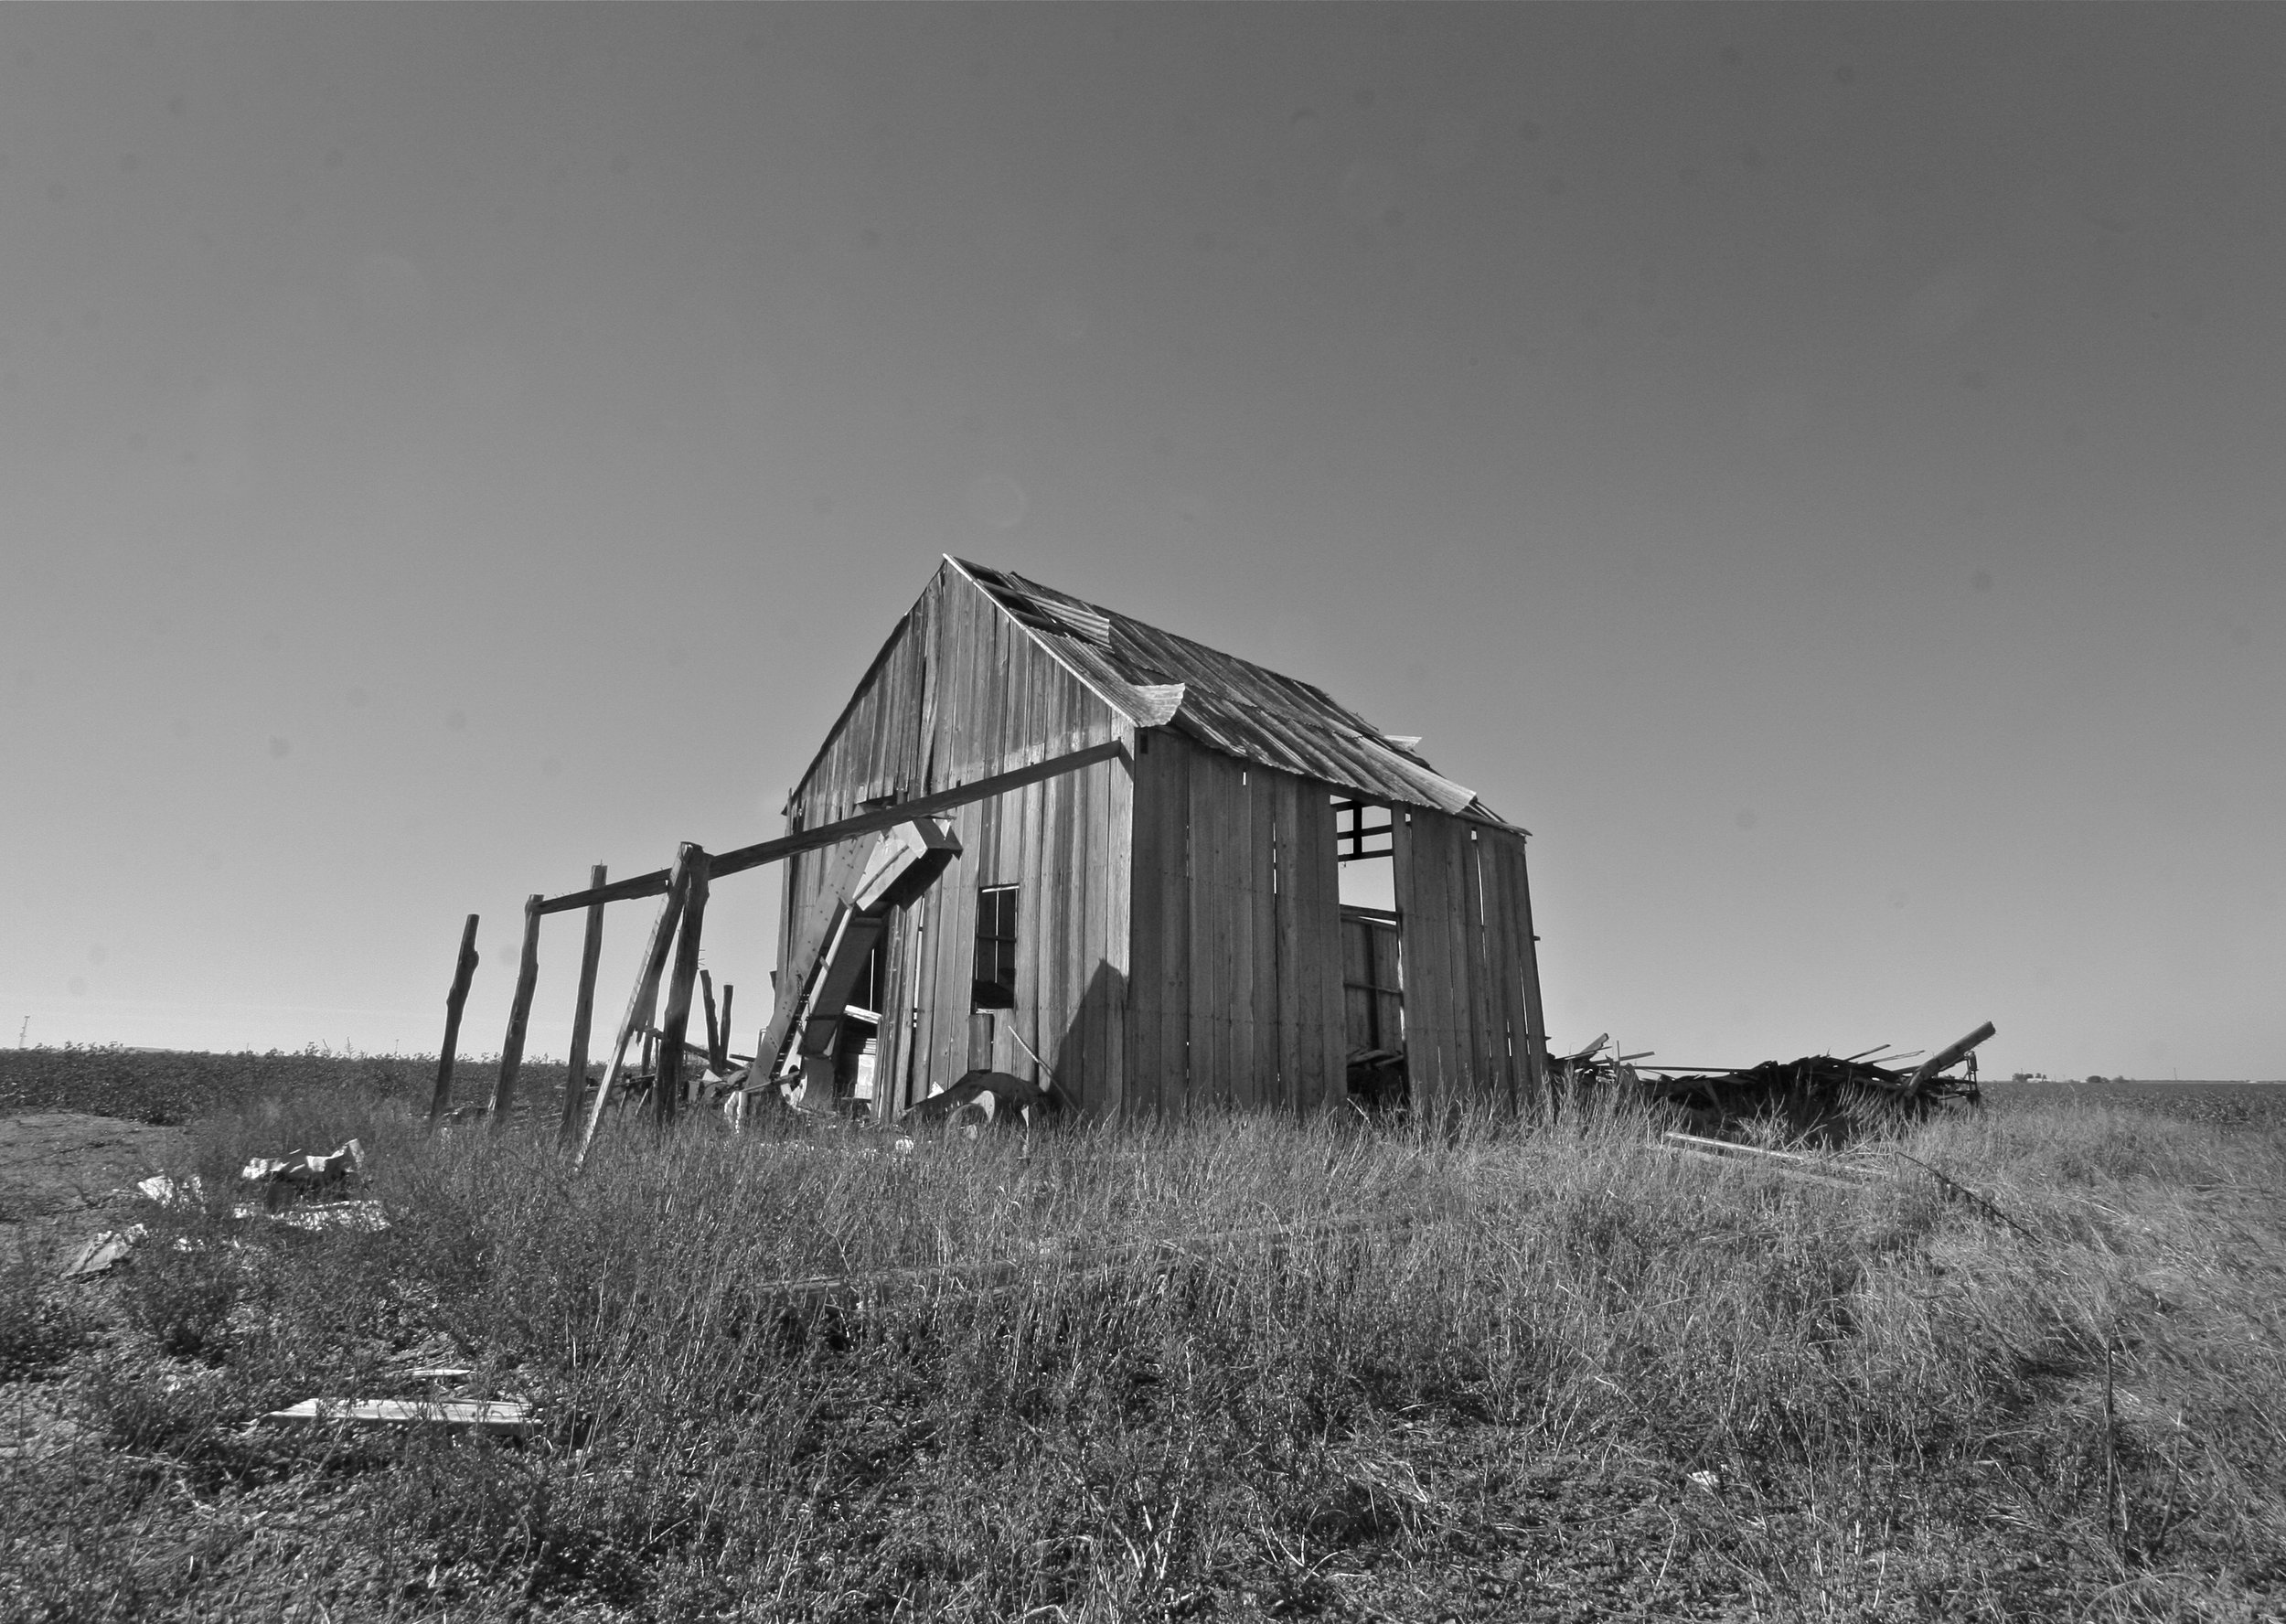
<point>1233,1364</point>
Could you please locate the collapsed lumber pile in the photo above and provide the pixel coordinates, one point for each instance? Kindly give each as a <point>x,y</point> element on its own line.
<point>1817,1097</point>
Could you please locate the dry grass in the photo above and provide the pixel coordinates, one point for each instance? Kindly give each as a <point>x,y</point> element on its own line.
<point>1486,1397</point>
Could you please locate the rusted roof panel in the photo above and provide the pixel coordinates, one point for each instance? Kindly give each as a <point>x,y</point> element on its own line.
<point>1225,703</point>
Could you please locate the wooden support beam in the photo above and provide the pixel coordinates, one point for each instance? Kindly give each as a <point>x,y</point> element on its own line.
<point>1950,1054</point>
<point>520,1015</point>
<point>639,1003</point>
<point>584,1011</point>
<point>463,970</point>
<point>829,833</point>
<point>635,889</point>
<point>666,1093</point>
<point>723,1056</point>
<point>714,1027</point>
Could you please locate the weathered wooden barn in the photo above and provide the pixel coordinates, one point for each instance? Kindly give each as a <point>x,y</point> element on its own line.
<point>1156,914</point>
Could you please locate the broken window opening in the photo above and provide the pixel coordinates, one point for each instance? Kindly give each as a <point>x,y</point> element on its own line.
<point>996,948</point>
<point>1373,998</point>
<point>1362,828</point>
<point>1364,845</point>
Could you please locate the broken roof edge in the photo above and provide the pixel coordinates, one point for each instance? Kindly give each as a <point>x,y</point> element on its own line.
<point>1135,709</point>
<point>1160,705</point>
<point>896,633</point>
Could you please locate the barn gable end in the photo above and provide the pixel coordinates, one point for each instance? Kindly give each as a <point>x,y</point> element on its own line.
<point>963,690</point>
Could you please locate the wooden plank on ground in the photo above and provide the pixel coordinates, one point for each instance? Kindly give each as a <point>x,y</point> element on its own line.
<point>510,1417</point>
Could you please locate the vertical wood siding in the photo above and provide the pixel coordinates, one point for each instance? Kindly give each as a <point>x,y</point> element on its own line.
<point>1237,985</point>
<point>1471,976</point>
<point>1179,933</point>
<point>962,692</point>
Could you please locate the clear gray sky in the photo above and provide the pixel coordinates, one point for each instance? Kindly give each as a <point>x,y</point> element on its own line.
<point>1819,468</point>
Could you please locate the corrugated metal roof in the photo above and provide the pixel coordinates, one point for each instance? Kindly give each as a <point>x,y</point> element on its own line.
<point>1157,678</point>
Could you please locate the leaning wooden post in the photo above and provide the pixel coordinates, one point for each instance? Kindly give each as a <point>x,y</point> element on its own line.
<point>667,1092</point>
<point>722,1059</point>
<point>583,1012</point>
<point>520,1016</point>
<point>641,1000</point>
<point>1950,1054</point>
<point>463,969</point>
<point>714,1028</point>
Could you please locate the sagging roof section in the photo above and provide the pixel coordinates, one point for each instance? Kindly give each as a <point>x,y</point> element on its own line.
<point>1159,679</point>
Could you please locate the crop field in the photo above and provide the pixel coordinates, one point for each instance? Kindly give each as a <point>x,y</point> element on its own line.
<point>1226,1368</point>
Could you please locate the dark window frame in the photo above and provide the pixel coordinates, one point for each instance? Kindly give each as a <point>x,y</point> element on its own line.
<point>993,983</point>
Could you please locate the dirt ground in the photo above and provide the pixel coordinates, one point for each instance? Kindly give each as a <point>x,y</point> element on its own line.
<point>59,1170</point>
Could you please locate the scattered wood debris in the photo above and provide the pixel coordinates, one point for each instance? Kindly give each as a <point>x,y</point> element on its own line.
<point>1802,1169</point>
<point>1818,1099</point>
<point>102,1251</point>
<point>989,1093</point>
<point>302,1174</point>
<point>513,1417</point>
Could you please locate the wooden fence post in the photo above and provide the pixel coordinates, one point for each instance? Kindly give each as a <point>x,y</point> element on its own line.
<point>520,1016</point>
<point>641,1000</point>
<point>463,969</point>
<point>675,1023</point>
<point>714,1028</point>
<point>583,1012</point>
<point>722,1059</point>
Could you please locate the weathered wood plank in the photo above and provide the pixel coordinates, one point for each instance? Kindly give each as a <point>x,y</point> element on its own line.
<point>1115,1002</point>
<point>1147,894</point>
<point>1024,835</point>
<point>845,828</point>
<point>1176,984</point>
<point>1535,1049</point>
<point>641,1000</point>
<point>456,999</point>
<point>1267,1048</point>
<point>520,1016</point>
<point>1509,851</point>
<point>1421,918</point>
<point>714,1024</point>
<point>835,876</point>
<point>666,1095</point>
<point>1285,921</point>
<point>992,787</point>
<point>1495,996</point>
<point>1318,900</point>
<point>1238,869</point>
<point>1471,981</point>
<point>1207,947</point>
<point>582,1011</point>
